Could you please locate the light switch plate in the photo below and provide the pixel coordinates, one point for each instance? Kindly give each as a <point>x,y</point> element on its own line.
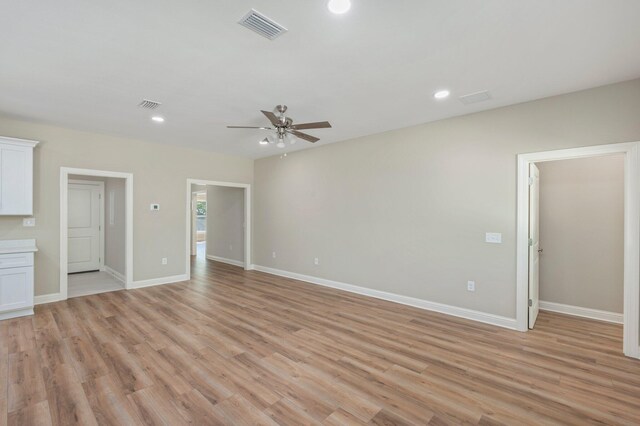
<point>471,286</point>
<point>29,221</point>
<point>493,237</point>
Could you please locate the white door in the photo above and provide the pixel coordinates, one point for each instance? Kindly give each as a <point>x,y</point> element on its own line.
<point>84,213</point>
<point>534,243</point>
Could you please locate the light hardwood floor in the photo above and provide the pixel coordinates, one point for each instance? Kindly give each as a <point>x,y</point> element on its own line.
<point>235,347</point>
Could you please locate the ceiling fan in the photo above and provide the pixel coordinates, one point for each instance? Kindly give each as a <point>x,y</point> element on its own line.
<point>285,129</point>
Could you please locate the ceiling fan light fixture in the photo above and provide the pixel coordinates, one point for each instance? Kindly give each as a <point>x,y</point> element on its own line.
<point>339,6</point>
<point>291,139</point>
<point>284,130</point>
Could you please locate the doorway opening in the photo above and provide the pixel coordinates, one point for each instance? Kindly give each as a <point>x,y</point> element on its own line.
<point>199,222</point>
<point>623,215</point>
<point>218,223</point>
<point>96,237</point>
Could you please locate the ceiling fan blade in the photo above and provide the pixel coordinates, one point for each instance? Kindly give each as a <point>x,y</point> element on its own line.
<point>304,136</point>
<point>318,125</point>
<point>248,127</point>
<point>272,117</point>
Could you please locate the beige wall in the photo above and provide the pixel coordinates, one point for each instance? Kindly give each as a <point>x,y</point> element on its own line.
<point>115,234</point>
<point>582,232</point>
<point>160,174</point>
<point>225,222</point>
<point>406,211</point>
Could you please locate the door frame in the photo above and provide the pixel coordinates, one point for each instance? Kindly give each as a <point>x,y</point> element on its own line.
<point>194,243</point>
<point>99,184</point>
<point>247,220</point>
<point>631,314</point>
<point>64,200</point>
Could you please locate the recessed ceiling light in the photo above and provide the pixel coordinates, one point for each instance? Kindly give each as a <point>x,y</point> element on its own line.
<point>264,141</point>
<point>158,119</point>
<point>441,94</point>
<point>339,6</point>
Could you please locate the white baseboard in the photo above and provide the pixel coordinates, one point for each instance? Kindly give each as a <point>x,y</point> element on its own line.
<point>483,317</point>
<point>159,281</point>
<point>47,298</point>
<point>225,260</point>
<point>115,274</point>
<point>582,312</point>
<point>16,314</point>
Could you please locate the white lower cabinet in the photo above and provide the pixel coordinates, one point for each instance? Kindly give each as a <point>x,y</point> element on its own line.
<point>16,280</point>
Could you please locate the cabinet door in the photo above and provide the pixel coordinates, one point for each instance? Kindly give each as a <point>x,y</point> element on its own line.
<point>16,288</point>
<point>16,180</point>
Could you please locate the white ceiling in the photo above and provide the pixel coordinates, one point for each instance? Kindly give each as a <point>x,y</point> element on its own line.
<point>87,64</point>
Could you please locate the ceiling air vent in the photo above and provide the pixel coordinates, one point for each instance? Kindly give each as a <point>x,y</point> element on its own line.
<point>473,98</point>
<point>262,25</point>
<point>146,103</point>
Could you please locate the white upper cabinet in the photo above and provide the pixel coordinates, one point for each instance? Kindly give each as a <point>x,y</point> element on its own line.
<point>16,176</point>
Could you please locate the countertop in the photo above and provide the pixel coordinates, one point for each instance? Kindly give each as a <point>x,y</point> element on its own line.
<point>18,246</point>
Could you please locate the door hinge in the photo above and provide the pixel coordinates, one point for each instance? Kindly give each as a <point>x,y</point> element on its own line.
<point>530,180</point>
<point>530,303</point>
<point>530,242</point>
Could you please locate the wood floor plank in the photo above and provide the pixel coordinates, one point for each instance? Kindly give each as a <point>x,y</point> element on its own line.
<point>109,403</point>
<point>25,382</point>
<point>154,409</point>
<point>243,347</point>
<point>237,411</point>
<point>68,403</point>
<point>84,358</point>
<point>34,415</point>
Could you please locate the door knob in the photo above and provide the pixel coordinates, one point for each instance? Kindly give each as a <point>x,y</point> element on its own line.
<point>539,250</point>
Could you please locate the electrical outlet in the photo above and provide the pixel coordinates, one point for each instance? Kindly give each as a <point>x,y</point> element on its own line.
<point>230,248</point>
<point>29,221</point>
<point>164,261</point>
<point>471,286</point>
<point>273,254</point>
<point>316,261</point>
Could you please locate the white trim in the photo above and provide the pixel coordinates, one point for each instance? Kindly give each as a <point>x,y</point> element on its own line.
<point>47,298</point>
<point>101,231</point>
<point>225,260</point>
<point>194,227</point>
<point>247,220</point>
<point>115,274</point>
<point>19,142</point>
<point>159,281</point>
<point>579,311</point>
<point>64,199</point>
<point>631,340</point>
<point>470,314</point>
<point>15,314</point>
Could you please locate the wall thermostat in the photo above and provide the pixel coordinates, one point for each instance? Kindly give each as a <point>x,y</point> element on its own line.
<point>154,207</point>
